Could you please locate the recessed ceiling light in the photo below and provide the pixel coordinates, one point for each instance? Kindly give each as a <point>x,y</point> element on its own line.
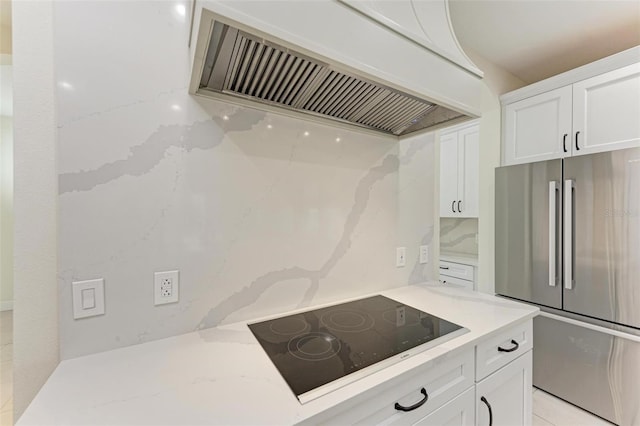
<point>176,107</point>
<point>225,117</point>
<point>306,133</point>
<point>181,9</point>
<point>338,139</point>
<point>269,126</point>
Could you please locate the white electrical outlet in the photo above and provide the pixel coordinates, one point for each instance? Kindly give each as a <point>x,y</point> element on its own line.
<point>166,286</point>
<point>424,254</point>
<point>401,256</point>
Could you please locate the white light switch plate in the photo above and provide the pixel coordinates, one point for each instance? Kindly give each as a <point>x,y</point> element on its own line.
<point>88,298</point>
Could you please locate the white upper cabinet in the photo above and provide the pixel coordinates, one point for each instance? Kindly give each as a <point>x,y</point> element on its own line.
<point>459,171</point>
<point>448,174</point>
<point>538,128</point>
<point>606,111</point>
<point>592,111</point>
<point>469,158</point>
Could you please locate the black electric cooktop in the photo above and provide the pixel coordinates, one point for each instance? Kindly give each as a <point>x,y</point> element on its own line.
<point>311,349</point>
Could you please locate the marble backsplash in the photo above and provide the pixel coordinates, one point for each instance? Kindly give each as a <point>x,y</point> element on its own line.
<point>459,235</point>
<point>260,213</point>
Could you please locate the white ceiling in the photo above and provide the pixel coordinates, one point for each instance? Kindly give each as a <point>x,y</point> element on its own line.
<point>532,39</point>
<point>535,39</point>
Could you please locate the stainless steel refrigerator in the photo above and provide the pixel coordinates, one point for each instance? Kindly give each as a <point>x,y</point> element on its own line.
<point>568,240</point>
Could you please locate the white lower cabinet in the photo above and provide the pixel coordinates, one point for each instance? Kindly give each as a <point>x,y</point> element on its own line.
<point>429,390</point>
<point>457,389</point>
<point>458,412</point>
<point>458,274</point>
<point>499,350</point>
<point>504,397</point>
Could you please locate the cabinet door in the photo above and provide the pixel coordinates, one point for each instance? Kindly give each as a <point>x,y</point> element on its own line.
<point>606,111</point>
<point>449,175</point>
<point>468,171</point>
<point>460,411</point>
<point>538,128</point>
<point>506,394</point>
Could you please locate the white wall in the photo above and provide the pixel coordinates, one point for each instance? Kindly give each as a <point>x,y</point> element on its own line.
<point>35,199</point>
<point>6,182</point>
<point>496,82</point>
<point>6,212</point>
<point>258,220</point>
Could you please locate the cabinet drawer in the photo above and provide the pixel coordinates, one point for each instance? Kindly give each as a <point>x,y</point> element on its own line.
<point>456,270</point>
<point>441,380</point>
<point>441,384</point>
<point>445,279</point>
<point>459,412</point>
<point>498,351</point>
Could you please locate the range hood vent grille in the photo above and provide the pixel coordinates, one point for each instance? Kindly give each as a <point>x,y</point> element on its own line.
<point>243,65</point>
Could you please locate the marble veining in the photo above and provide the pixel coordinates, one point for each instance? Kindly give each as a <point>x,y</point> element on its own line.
<point>261,213</point>
<point>143,157</point>
<point>249,294</point>
<point>459,235</point>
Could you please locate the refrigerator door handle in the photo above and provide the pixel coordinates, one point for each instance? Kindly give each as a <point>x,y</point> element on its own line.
<point>609,331</point>
<point>569,185</point>
<point>553,231</point>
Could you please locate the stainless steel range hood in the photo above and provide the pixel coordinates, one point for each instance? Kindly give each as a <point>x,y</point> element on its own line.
<point>251,68</point>
<point>244,65</point>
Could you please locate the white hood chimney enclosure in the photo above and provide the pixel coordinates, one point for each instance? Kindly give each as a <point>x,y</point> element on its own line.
<point>390,67</point>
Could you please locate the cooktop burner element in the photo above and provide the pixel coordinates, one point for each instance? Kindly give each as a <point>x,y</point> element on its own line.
<point>289,326</point>
<point>318,350</point>
<point>314,346</point>
<point>347,321</point>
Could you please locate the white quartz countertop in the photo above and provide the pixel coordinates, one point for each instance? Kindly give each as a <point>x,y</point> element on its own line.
<point>222,375</point>
<point>466,259</point>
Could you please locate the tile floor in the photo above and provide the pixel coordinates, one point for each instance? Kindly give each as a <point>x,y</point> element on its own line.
<point>551,411</point>
<point>6,368</point>
<point>547,409</point>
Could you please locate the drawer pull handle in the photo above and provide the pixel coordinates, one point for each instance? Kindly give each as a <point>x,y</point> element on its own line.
<point>444,267</point>
<point>414,406</point>
<point>483,399</point>
<point>513,342</point>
